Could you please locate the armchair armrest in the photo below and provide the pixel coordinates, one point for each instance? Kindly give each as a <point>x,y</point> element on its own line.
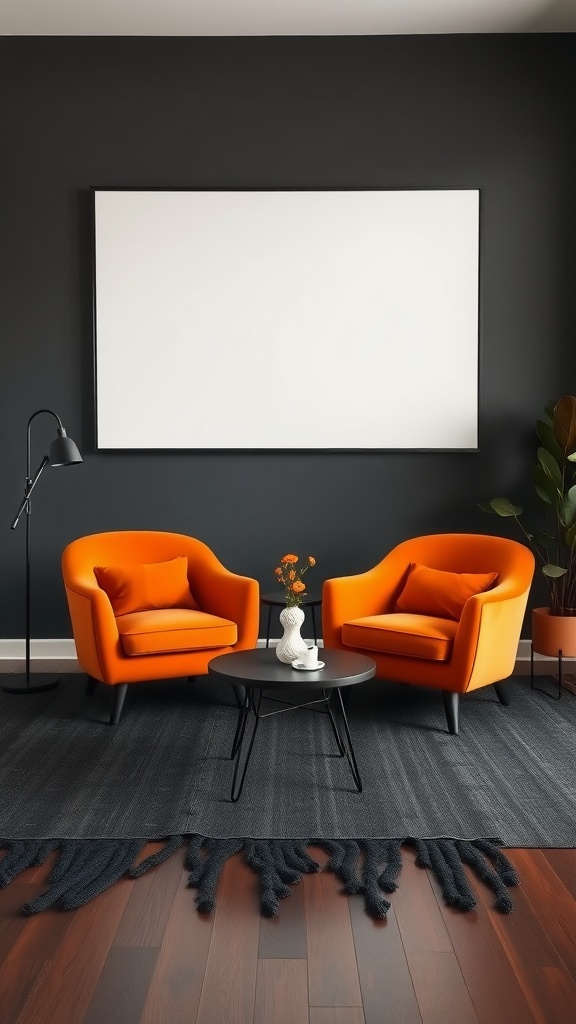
<point>486,641</point>
<point>350,597</point>
<point>93,625</point>
<point>233,597</point>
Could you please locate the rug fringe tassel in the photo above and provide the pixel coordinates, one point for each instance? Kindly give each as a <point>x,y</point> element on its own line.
<point>84,869</point>
<point>21,854</point>
<point>446,858</point>
<point>170,847</point>
<point>369,867</point>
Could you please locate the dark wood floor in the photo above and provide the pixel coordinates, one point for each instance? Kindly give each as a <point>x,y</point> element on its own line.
<point>141,954</point>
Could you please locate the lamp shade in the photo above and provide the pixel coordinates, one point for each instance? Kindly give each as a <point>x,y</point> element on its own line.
<point>63,451</point>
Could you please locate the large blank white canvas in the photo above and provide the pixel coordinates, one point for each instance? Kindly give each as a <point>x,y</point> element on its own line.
<point>286,319</point>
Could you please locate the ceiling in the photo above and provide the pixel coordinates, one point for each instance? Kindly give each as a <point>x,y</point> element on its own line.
<point>281,17</point>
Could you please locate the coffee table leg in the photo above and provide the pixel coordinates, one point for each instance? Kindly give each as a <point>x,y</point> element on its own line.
<point>335,729</point>
<point>349,750</point>
<point>238,742</point>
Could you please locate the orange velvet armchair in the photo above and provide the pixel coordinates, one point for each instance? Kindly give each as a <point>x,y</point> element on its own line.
<point>421,637</point>
<point>149,605</point>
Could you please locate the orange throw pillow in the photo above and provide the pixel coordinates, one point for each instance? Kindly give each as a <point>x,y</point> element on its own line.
<point>140,588</point>
<point>436,592</point>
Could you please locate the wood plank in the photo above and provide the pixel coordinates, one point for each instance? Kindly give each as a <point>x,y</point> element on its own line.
<point>281,992</point>
<point>64,992</point>
<point>527,946</point>
<point>440,989</point>
<point>144,920</point>
<point>12,920</point>
<point>338,1015</point>
<point>41,937</point>
<point>16,986</point>
<point>564,864</point>
<point>176,985</point>
<point>26,946</point>
<point>284,936</point>
<point>332,969</point>
<point>419,919</point>
<point>385,981</point>
<point>230,980</point>
<point>493,985</point>
<point>560,991</point>
<point>122,987</point>
<point>553,905</point>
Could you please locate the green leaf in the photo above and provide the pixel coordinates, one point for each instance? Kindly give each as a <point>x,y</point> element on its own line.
<point>545,488</point>
<point>550,467</point>
<point>570,536</point>
<point>554,571</point>
<point>572,457</point>
<point>564,423</point>
<point>567,508</point>
<point>547,438</point>
<point>503,507</point>
<point>485,506</point>
<point>546,540</point>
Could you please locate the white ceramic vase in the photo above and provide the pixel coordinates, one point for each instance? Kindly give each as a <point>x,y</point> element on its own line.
<point>291,644</point>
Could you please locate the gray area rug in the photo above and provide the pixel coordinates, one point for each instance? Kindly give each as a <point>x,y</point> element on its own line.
<point>165,769</point>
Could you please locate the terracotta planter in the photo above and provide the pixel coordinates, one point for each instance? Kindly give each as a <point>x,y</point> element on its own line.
<point>553,633</point>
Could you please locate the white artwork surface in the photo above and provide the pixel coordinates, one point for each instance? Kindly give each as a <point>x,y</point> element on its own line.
<point>300,319</point>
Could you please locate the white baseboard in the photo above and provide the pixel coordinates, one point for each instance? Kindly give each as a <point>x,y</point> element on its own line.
<point>524,654</point>
<point>62,650</point>
<point>65,650</point>
<point>47,650</point>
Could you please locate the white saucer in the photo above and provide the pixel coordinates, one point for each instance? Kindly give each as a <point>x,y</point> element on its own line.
<point>307,668</point>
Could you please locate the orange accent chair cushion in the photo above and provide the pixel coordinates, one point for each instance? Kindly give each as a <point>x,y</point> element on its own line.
<point>439,593</point>
<point>413,636</point>
<point>168,630</point>
<point>140,588</point>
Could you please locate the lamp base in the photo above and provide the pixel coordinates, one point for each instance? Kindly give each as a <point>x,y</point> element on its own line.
<point>37,683</point>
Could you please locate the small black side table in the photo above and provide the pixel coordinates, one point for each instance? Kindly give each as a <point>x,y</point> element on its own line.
<point>277,600</point>
<point>260,670</point>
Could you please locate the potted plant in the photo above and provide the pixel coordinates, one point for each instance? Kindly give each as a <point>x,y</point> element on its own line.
<point>554,478</point>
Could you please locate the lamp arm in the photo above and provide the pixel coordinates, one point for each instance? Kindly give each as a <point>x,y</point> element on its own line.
<point>33,416</point>
<point>29,487</point>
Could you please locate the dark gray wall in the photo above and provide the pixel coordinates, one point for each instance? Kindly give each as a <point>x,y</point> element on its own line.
<point>494,112</point>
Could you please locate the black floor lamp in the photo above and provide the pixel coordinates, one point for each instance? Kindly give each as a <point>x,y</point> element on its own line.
<point>63,452</point>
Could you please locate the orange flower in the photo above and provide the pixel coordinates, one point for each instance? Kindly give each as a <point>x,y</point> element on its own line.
<point>290,574</point>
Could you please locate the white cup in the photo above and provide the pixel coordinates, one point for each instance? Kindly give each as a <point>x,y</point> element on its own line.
<point>310,657</point>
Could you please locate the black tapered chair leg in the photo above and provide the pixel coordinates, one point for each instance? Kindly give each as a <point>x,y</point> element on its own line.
<point>118,695</point>
<point>91,685</point>
<point>240,694</point>
<point>502,694</point>
<point>451,708</point>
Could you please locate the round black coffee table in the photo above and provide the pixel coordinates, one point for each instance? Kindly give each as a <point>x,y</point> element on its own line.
<point>260,671</point>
